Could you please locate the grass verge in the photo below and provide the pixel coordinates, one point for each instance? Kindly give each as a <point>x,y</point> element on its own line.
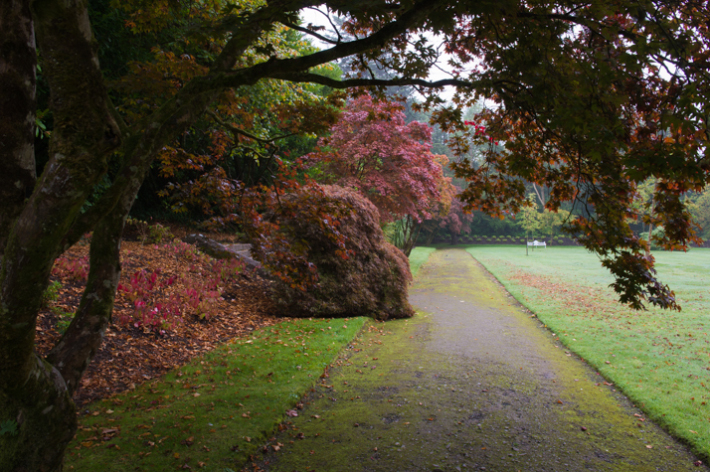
<point>215,411</point>
<point>659,359</point>
<point>419,256</point>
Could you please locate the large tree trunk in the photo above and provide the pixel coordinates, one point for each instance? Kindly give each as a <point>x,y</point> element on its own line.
<point>33,394</point>
<point>45,416</point>
<point>18,62</point>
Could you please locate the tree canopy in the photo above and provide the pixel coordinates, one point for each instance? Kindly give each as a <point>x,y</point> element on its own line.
<point>590,99</point>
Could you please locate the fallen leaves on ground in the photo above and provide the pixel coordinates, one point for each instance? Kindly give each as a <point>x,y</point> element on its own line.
<point>129,355</point>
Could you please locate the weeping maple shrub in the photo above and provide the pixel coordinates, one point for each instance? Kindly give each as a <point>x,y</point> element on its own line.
<point>357,274</point>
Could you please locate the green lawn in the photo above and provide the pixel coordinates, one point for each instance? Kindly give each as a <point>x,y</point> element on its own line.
<point>214,412</point>
<point>660,359</point>
<point>418,257</point>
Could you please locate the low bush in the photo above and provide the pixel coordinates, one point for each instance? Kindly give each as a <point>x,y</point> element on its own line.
<point>154,309</point>
<point>51,293</point>
<point>657,235</point>
<point>140,230</point>
<point>73,268</point>
<point>158,233</point>
<point>64,318</point>
<point>159,304</point>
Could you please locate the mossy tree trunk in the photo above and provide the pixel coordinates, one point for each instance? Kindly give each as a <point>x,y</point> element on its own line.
<point>33,394</point>
<point>18,62</point>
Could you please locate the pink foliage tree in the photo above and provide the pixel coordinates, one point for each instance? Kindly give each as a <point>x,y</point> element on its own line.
<point>456,221</point>
<point>450,218</point>
<point>390,162</point>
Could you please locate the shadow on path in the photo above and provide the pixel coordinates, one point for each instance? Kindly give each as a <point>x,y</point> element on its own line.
<point>471,383</point>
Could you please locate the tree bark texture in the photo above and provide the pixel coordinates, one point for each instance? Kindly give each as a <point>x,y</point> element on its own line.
<point>33,393</point>
<point>18,62</point>
<point>82,339</point>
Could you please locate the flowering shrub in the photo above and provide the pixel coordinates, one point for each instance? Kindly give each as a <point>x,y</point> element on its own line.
<point>158,297</point>
<point>227,269</point>
<point>183,250</point>
<point>160,302</point>
<point>201,297</point>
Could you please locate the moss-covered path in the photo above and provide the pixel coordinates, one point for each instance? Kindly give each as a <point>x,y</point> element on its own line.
<point>471,383</point>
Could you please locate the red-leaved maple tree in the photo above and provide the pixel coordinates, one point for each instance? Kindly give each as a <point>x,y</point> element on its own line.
<point>373,150</point>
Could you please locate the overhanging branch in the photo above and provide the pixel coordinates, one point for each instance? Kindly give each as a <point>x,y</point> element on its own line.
<point>310,32</point>
<point>247,134</point>
<point>274,68</point>
<point>348,83</point>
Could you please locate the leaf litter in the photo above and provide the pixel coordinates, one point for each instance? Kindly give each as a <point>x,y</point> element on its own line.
<point>129,355</point>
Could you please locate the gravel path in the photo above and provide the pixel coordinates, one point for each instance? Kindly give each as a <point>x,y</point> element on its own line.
<point>473,382</point>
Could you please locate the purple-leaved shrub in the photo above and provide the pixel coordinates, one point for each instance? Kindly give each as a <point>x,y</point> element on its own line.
<point>367,277</point>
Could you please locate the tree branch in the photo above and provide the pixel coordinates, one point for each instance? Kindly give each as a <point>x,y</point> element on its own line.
<point>312,33</point>
<point>539,196</point>
<point>348,83</point>
<point>576,20</point>
<point>274,67</point>
<point>245,133</point>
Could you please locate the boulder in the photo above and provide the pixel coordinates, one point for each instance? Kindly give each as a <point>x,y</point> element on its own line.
<point>209,246</point>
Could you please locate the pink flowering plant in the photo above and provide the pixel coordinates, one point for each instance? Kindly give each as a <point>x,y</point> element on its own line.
<point>73,268</point>
<point>153,307</point>
<point>157,299</point>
